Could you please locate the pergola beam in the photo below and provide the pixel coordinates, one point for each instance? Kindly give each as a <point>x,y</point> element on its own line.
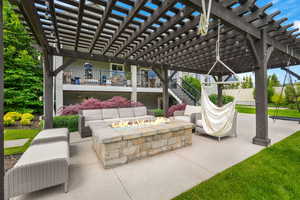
<point>80,15</point>
<point>125,23</point>
<point>30,11</point>
<point>54,23</point>
<point>231,18</point>
<point>102,22</point>
<point>186,12</point>
<point>63,66</point>
<point>166,5</point>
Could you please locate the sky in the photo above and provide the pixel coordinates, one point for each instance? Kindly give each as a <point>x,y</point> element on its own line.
<point>289,9</point>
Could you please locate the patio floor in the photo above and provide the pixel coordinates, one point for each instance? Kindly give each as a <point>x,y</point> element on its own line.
<point>161,177</point>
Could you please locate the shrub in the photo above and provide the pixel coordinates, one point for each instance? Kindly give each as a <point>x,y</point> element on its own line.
<point>69,121</point>
<point>277,99</point>
<point>8,121</point>
<point>158,112</point>
<point>270,92</point>
<point>225,99</point>
<point>293,106</point>
<point>174,108</point>
<point>25,122</point>
<point>28,116</point>
<point>92,103</point>
<point>13,115</point>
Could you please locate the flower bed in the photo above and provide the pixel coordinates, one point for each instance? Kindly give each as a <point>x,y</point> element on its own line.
<point>92,103</point>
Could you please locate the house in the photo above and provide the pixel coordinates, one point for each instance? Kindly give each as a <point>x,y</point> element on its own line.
<point>87,78</point>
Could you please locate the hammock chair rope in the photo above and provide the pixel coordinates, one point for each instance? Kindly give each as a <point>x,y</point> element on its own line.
<point>218,121</point>
<point>204,18</point>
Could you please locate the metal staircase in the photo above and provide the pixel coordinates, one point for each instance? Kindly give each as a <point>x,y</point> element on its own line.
<point>184,92</point>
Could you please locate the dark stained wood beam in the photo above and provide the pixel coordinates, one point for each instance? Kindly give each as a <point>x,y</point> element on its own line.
<point>29,10</point>
<point>102,22</point>
<point>177,33</point>
<point>80,15</point>
<point>63,66</point>
<point>186,12</point>
<point>166,5</point>
<point>137,6</point>
<point>228,17</point>
<point>54,23</point>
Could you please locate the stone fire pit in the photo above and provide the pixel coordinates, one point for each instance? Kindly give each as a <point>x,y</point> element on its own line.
<point>117,146</point>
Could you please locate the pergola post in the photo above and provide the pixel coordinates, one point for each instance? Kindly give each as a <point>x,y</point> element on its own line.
<point>134,83</point>
<point>1,104</point>
<point>48,90</point>
<point>262,54</point>
<point>165,91</point>
<point>220,91</point>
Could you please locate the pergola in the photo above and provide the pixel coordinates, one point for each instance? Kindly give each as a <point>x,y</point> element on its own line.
<point>161,34</point>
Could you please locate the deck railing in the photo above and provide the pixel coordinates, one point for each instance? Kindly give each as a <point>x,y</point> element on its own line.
<point>108,78</point>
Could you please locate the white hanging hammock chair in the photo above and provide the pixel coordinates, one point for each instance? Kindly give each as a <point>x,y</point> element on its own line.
<point>218,121</point>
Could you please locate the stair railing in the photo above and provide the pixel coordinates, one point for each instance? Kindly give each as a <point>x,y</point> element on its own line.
<point>192,90</point>
<point>174,84</point>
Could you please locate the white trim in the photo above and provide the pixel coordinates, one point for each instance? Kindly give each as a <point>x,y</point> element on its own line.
<point>175,96</point>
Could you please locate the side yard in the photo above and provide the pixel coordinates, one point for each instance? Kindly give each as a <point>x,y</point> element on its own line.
<point>14,134</point>
<point>271,174</point>
<point>271,112</point>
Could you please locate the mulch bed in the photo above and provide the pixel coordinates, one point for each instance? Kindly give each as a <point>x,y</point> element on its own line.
<point>10,161</point>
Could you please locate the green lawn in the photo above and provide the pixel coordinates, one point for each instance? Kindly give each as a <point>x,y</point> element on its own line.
<point>272,112</point>
<point>272,174</point>
<point>12,134</point>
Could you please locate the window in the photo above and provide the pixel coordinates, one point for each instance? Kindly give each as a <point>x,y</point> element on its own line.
<point>117,67</point>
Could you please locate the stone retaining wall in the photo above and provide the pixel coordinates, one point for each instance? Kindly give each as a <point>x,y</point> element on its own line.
<point>113,153</point>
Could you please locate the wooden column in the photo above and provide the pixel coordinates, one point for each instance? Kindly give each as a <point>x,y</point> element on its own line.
<point>48,90</point>
<point>262,54</point>
<point>1,104</point>
<point>165,91</point>
<point>220,95</point>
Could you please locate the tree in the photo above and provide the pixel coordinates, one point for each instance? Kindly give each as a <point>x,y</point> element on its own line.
<point>273,81</point>
<point>247,82</point>
<point>23,72</point>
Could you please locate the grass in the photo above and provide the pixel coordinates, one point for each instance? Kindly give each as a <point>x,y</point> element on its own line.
<point>273,173</point>
<point>271,112</point>
<point>13,134</point>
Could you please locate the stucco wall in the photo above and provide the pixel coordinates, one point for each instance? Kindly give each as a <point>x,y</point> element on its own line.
<point>245,96</point>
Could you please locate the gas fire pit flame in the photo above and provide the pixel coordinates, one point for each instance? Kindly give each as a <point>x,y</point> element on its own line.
<point>140,123</point>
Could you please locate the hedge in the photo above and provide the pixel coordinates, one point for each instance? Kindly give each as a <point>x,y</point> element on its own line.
<point>68,121</point>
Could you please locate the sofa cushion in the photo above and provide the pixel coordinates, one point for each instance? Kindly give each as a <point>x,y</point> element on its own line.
<point>110,113</point>
<point>126,112</point>
<point>192,109</point>
<point>94,114</point>
<point>44,152</point>
<point>199,123</point>
<point>49,135</point>
<point>140,111</point>
<point>183,118</point>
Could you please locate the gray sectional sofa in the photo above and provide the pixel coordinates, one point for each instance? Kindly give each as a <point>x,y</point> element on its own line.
<point>104,117</point>
<point>44,164</point>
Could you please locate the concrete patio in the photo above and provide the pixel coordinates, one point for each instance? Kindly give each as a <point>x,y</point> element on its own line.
<point>161,177</point>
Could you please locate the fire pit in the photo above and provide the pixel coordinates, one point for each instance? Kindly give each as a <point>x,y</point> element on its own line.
<point>140,123</point>
<point>126,141</point>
